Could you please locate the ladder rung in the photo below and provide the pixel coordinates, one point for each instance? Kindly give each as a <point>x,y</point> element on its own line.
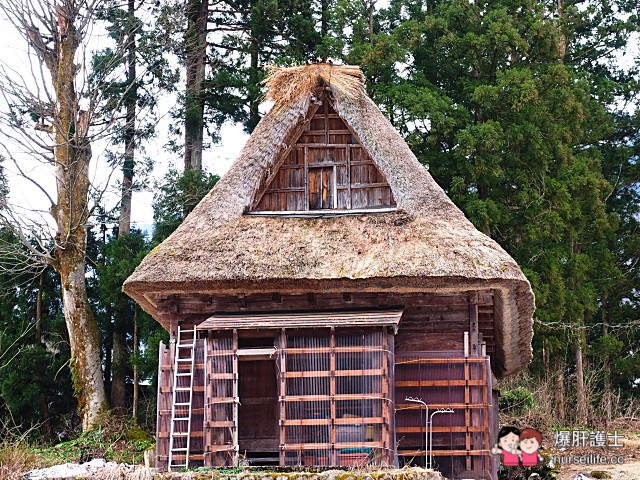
<point>181,419</point>
<point>181,434</point>
<point>179,449</point>
<point>185,345</point>
<point>185,359</point>
<point>180,404</point>
<point>188,374</point>
<point>183,389</point>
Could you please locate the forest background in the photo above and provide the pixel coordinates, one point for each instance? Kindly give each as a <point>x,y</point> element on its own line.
<point>525,112</point>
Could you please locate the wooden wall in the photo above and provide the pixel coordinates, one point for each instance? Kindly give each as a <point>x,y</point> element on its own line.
<point>327,168</point>
<point>431,322</point>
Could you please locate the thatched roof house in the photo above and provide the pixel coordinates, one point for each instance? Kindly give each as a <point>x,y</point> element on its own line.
<point>425,243</point>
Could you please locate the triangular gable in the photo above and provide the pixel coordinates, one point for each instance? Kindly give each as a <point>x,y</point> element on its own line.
<point>324,167</point>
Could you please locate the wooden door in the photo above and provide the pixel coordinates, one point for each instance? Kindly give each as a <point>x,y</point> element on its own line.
<point>258,410</point>
<point>322,188</point>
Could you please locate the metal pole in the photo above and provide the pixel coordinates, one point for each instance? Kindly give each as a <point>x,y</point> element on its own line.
<point>440,410</point>
<point>426,428</point>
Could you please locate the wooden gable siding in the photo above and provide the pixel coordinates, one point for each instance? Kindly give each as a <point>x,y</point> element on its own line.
<point>327,168</point>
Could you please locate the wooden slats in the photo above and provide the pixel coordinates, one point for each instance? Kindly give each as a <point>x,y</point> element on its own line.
<point>447,429</point>
<point>302,320</point>
<point>444,453</point>
<point>338,373</point>
<point>337,421</point>
<point>327,446</point>
<point>324,141</point>
<point>455,406</point>
<point>439,383</point>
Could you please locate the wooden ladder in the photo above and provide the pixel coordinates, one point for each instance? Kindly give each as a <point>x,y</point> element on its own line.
<point>184,354</point>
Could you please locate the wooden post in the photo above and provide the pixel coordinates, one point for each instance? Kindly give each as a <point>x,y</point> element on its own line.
<point>236,446</point>
<point>306,178</point>
<point>485,423</point>
<point>388,444</point>
<point>332,393</point>
<point>283,396</point>
<point>208,394</point>
<point>473,324</point>
<point>159,402</point>
<point>348,175</point>
<point>467,415</point>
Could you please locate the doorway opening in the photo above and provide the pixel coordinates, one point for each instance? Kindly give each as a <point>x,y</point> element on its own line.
<point>258,410</point>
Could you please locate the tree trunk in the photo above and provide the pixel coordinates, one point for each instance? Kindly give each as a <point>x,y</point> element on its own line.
<point>108,340</point>
<point>562,38</point>
<point>559,390</point>
<point>325,15</point>
<point>581,397</point>
<point>254,88</point>
<point>84,336</point>
<point>136,378</point>
<point>120,355</point>
<point>196,57</point>
<point>607,397</point>
<point>371,5</point>
<point>39,309</point>
<point>130,127</point>
<point>72,156</point>
<point>119,363</point>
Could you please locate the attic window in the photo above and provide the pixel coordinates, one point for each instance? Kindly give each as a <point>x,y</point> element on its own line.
<point>325,170</point>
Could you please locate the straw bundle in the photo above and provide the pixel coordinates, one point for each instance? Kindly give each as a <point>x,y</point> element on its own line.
<point>286,85</point>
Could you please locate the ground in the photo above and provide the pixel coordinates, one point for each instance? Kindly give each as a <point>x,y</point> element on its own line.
<point>630,470</point>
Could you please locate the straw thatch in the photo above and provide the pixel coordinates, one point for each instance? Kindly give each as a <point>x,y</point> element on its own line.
<point>427,245</point>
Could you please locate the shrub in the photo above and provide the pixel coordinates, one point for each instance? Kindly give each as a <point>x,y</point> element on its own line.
<point>518,400</point>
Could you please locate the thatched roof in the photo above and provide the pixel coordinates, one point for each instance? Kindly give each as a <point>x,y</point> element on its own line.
<point>426,245</point>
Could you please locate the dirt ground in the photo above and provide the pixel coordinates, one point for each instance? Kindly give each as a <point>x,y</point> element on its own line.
<point>630,470</point>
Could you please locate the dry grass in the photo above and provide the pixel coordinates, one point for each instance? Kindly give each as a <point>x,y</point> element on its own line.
<point>286,85</point>
<point>625,411</point>
<point>16,455</point>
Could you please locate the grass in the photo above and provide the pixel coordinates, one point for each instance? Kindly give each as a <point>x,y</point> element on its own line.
<point>117,440</point>
<point>16,457</point>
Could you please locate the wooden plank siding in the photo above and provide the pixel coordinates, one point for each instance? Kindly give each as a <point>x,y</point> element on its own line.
<point>325,168</point>
<point>429,341</point>
<point>430,322</point>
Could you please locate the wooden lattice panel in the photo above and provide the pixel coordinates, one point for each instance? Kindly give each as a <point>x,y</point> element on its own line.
<point>462,440</point>
<point>326,168</point>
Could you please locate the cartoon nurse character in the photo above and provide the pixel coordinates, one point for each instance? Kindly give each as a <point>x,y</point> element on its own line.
<point>508,442</point>
<point>530,441</point>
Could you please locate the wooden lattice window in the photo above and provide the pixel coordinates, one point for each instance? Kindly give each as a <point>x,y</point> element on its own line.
<point>325,167</point>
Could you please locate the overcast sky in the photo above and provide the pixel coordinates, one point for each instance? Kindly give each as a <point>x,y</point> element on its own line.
<point>217,159</point>
<point>25,197</point>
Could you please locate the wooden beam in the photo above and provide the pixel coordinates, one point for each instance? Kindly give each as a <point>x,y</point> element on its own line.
<point>235,406</point>
<point>349,200</point>
<point>473,325</point>
<point>282,359</point>
<point>306,178</point>
<point>332,393</point>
